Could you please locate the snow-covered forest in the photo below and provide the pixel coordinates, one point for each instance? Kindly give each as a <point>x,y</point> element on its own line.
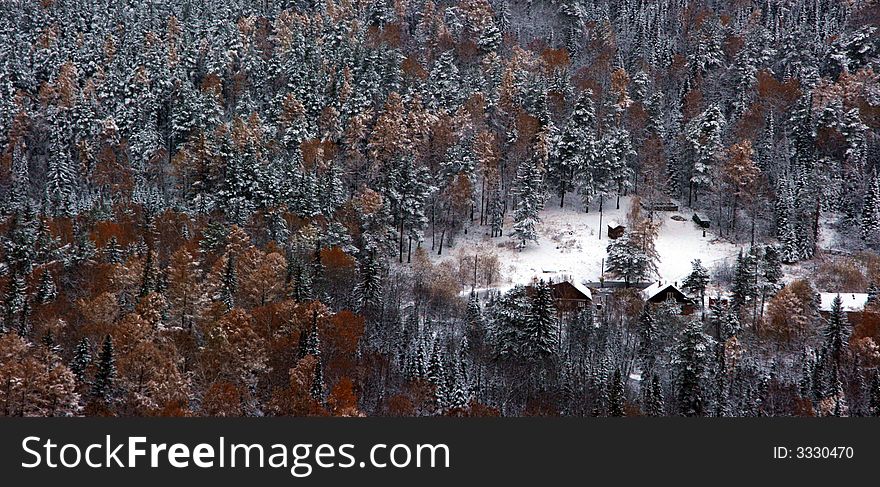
<point>362,207</point>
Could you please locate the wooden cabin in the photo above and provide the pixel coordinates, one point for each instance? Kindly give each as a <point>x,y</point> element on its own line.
<point>663,291</point>
<point>570,297</point>
<point>850,302</point>
<point>615,230</point>
<point>702,220</point>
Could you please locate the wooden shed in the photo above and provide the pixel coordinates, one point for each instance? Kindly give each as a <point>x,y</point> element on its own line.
<point>615,230</point>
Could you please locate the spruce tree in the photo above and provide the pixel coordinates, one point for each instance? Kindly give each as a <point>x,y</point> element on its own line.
<point>150,278</point>
<point>575,151</point>
<point>691,362</point>
<point>697,281</point>
<point>368,290</point>
<point>703,134</point>
<point>103,387</point>
<point>836,336</point>
<point>629,260</point>
<point>46,292</point>
<point>654,405</point>
<point>616,395</point>
<point>82,357</point>
<point>743,280</point>
<point>317,389</point>
<point>772,265</point>
<point>649,346</point>
<point>870,222</point>
<point>529,191</point>
<point>229,282</point>
<point>112,251</point>
<point>541,331</point>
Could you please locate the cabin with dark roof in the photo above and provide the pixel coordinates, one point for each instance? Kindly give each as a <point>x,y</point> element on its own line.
<point>569,296</point>
<point>664,291</point>
<point>615,230</point>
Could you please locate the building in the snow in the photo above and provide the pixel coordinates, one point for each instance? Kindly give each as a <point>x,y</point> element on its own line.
<point>615,230</point>
<point>663,291</point>
<point>850,302</point>
<point>569,295</point>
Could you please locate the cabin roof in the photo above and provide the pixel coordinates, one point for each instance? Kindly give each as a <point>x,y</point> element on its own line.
<point>659,286</point>
<point>575,283</point>
<point>851,301</point>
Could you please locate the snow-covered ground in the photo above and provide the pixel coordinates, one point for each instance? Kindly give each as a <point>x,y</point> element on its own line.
<point>569,244</point>
<point>828,238</point>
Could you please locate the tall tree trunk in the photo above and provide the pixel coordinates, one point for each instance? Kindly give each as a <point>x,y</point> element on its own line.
<point>733,214</point>
<point>400,257</point>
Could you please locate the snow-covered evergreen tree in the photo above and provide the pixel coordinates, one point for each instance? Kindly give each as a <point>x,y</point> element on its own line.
<point>529,190</point>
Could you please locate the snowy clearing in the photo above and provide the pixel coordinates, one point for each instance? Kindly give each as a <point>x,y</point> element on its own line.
<point>569,244</point>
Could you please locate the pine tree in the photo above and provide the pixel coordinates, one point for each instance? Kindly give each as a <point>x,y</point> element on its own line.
<point>697,281</point>
<point>654,397</point>
<point>836,335</point>
<point>575,151</point>
<point>870,223</point>
<point>744,280</point>
<point>772,265</point>
<point>104,385</point>
<point>112,251</point>
<point>229,282</point>
<point>82,357</point>
<point>529,190</point>
<point>629,260</point>
<point>703,134</point>
<point>691,361</point>
<point>46,292</point>
<point>649,346</point>
<point>616,395</point>
<point>368,290</point>
<point>541,332</point>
